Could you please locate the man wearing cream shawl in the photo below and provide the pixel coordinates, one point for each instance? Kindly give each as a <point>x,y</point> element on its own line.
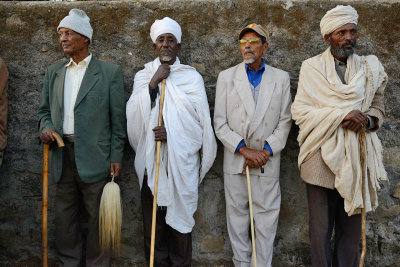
<point>188,149</point>
<point>338,94</point>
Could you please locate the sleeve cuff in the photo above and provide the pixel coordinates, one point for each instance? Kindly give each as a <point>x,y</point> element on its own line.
<point>267,146</point>
<point>371,123</point>
<point>239,146</point>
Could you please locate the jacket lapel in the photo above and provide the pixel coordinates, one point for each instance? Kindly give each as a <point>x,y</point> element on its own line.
<point>89,80</point>
<point>267,87</point>
<point>242,86</point>
<point>59,85</point>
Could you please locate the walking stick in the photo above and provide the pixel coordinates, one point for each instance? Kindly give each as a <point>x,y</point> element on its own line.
<point>60,143</point>
<point>363,215</point>
<point>153,218</point>
<point>251,217</point>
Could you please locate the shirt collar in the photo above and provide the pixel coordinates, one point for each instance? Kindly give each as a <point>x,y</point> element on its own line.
<point>84,62</point>
<point>339,63</point>
<point>260,69</point>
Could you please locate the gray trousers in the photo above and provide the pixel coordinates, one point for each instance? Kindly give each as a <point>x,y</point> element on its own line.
<point>73,195</point>
<point>266,196</point>
<point>326,212</point>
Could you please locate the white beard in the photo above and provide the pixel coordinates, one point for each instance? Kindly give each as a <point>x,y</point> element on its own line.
<point>249,61</point>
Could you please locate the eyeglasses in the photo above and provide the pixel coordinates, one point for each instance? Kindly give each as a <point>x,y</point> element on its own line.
<point>253,41</point>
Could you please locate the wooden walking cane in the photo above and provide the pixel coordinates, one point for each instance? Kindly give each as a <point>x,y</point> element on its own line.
<point>251,217</point>
<point>363,215</point>
<point>45,193</point>
<point>153,218</point>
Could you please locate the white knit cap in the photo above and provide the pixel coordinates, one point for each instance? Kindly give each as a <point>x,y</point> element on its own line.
<point>78,21</point>
<point>165,25</point>
<point>337,17</point>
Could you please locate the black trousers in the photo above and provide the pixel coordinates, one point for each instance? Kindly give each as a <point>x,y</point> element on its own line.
<point>72,194</point>
<point>172,248</point>
<point>326,213</point>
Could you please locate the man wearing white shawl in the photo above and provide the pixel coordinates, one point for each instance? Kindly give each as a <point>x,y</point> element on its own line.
<point>339,93</point>
<point>188,149</point>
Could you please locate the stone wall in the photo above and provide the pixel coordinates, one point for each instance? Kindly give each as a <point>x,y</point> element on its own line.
<point>29,43</point>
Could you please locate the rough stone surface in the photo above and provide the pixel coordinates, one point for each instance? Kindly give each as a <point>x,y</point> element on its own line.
<point>29,44</point>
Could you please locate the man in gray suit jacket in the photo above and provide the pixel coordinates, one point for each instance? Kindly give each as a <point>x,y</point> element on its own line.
<point>83,101</point>
<point>252,119</point>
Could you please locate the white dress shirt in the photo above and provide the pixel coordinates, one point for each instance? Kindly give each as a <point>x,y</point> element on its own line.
<point>72,83</point>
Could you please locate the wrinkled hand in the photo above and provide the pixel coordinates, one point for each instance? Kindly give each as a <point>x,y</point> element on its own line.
<point>46,137</point>
<point>355,120</point>
<point>254,158</point>
<point>160,133</point>
<point>161,74</point>
<point>115,169</point>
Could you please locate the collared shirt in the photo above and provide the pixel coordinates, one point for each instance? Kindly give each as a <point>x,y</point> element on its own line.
<point>73,80</point>
<point>340,68</point>
<point>255,79</point>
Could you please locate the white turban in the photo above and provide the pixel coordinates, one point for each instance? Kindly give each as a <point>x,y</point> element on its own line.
<point>165,25</point>
<point>337,17</point>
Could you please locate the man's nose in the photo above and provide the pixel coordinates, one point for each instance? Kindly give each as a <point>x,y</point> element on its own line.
<point>165,43</point>
<point>63,37</point>
<point>348,36</point>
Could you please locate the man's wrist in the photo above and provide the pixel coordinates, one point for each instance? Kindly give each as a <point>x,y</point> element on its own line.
<point>242,149</point>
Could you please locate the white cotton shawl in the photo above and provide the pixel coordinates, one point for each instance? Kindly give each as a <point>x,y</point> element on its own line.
<point>322,101</point>
<point>189,133</point>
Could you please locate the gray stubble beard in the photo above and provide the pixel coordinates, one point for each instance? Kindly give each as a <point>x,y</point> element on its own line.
<point>249,61</point>
<point>166,58</point>
<point>341,52</point>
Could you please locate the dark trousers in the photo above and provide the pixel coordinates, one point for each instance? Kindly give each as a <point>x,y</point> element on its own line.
<point>326,211</point>
<point>71,196</point>
<point>172,248</point>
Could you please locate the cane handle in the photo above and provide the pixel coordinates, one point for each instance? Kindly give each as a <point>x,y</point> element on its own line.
<point>60,142</point>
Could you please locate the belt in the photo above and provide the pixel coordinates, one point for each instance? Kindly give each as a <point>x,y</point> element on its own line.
<point>69,138</point>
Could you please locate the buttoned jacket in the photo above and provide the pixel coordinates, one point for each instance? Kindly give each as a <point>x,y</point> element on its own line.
<point>237,117</point>
<point>99,118</point>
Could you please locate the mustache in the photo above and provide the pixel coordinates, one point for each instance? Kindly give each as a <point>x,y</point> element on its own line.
<point>167,50</point>
<point>248,50</point>
<point>351,43</point>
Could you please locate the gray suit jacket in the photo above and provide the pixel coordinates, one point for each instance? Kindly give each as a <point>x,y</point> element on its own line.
<point>237,117</point>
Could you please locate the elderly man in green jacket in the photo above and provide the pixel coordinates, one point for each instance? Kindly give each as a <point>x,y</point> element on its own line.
<point>83,101</point>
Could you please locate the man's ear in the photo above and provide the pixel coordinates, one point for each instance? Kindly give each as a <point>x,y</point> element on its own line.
<point>179,46</point>
<point>327,38</point>
<point>265,45</point>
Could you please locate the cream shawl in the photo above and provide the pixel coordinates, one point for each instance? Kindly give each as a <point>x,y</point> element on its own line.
<point>321,103</point>
<point>190,149</point>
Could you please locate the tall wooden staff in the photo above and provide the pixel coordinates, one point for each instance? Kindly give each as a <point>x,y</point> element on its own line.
<point>153,219</point>
<point>251,217</point>
<point>361,139</point>
<point>45,193</point>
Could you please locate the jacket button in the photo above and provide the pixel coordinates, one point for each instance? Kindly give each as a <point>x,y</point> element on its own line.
<point>257,140</point>
<point>272,108</point>
<point>242,121</point>
<point>266,124</point>
<point>59,128</point>
<point>237,105</point>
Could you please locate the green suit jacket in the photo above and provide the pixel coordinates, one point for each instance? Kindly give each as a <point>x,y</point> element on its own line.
<point>99,118</point>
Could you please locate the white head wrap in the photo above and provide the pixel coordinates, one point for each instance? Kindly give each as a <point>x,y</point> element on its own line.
<point>78,21</point>
<point>337,17</point>
<point>165,25</point>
